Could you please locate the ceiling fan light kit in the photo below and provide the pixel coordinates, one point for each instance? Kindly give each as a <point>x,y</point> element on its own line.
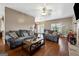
<point>45,11</point>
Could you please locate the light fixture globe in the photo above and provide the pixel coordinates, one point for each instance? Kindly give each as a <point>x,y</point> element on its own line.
<point>44,11</point>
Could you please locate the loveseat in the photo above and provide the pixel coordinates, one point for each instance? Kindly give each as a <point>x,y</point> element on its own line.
<point>51,36</point>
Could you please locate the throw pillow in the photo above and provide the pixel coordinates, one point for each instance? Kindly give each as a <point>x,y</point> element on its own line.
<point>13,34</point>
<point>7,37</point>
<point>25,34</point>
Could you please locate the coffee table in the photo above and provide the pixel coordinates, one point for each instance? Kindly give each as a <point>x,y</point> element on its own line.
<point>31,45</point>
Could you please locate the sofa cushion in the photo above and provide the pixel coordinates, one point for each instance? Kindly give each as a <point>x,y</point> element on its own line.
<point>13,34</point>
<point>8,37</point>
<point>25,34</point>
<point>31,32</point>
<point>18,33</point>
<point>20,38</point>
<point>29,37</point>
<point>54,33</point>
<point>21,33</point>
<point>53,38</point>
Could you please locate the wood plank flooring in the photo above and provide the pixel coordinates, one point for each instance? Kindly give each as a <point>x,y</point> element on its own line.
<point>2,47</point>
<point>49,49</point>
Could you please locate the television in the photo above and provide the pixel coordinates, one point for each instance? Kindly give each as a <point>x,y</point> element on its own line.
<point>76,10</point>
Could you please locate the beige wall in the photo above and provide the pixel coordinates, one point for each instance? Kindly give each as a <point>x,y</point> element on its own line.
<point>15,20</point>
<point>0,24</point>
<point>66,22</point>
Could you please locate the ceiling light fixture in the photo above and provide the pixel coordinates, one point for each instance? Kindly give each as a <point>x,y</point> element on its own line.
<point>45,11</point>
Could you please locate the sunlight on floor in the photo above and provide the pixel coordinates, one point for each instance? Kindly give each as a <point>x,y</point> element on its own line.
<point>73,50</point>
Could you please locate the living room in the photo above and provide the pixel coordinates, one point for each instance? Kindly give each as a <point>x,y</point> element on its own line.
<point>33,26</point>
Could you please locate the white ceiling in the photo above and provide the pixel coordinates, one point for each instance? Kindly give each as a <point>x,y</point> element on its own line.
<point>59,10</point>
<point>1,10</point>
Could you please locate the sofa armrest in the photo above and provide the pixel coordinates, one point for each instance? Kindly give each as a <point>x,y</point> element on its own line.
<point>10,42</point>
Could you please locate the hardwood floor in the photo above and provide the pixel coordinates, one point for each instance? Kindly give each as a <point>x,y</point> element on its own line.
<point>2,47</point>
<point>54,49</point>
<point>49,49</point>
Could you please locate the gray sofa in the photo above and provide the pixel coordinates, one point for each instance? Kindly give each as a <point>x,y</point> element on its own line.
<point>51,35</point>
<point>53,38</point>
<point>15,38</point>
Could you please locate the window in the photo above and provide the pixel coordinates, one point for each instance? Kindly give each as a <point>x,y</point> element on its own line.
<point>41,28</point>
<point>78,26</point>
<point>56,27</point>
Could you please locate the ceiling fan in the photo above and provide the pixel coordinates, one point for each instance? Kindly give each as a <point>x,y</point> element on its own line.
<point>46,11</point>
